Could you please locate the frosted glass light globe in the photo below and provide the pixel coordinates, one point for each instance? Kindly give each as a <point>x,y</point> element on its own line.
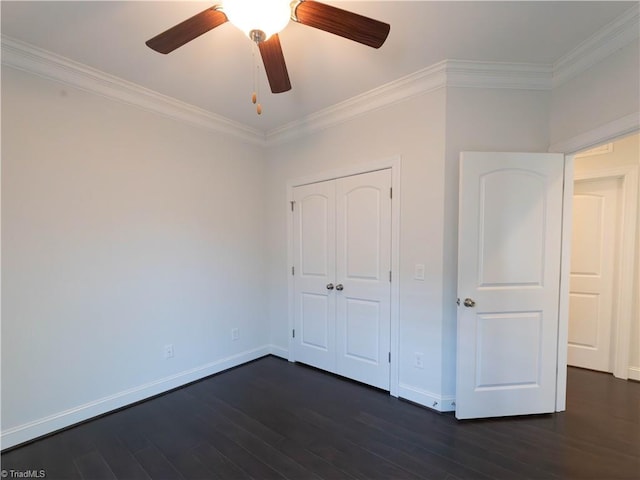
<point>269,16</point>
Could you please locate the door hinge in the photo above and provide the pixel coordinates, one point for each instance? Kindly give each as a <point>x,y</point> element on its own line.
<point>389,275</point>
<point>391,192</point>
<point>293,333</point>
<point>389,357</point>
<point>293,270</point>
<point>292,202</point>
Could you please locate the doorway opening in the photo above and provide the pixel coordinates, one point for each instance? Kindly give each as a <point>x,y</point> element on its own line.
<point>604,320</point>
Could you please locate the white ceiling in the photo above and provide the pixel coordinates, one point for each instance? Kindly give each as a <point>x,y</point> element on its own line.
<point>214,72</point>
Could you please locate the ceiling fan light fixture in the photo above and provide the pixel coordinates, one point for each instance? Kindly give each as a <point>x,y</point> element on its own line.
<point>265,16</point>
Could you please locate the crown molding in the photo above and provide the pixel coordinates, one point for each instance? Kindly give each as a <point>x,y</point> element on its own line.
<point>614,36</point>
<point>517,76</point>
<point>28,58</point>
<point>448,73</point>
<point>426,80</point>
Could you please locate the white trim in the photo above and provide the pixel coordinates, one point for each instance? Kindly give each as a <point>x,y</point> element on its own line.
<point>22,56</point>
<point>599,150</point>
<point>279,351</point>
<point>22,433</point>
<point>394,164</point>
<point>617,34</point>
<point>519,76</point>
<point>602,134</point>
<point>634,373</point>
<point>420,82</point>
<point>625,263</point>
<point>347,171</point>
<point>565,276</point>
<point>447,73</point>
<point>440,403</point>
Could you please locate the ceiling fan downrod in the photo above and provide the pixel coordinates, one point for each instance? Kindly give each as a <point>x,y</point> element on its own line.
<point>258,36</point>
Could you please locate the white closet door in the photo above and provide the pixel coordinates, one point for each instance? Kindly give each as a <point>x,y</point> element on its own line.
<point>315,270</point>
<point>363,263</point>
<point>342,262</point>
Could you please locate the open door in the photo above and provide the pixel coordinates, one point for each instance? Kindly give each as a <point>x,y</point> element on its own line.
<point>509,251</point>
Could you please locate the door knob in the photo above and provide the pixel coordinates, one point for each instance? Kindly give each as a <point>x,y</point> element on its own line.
<point>339,287</point>
<point>329,286</point>
<point>468,302</point>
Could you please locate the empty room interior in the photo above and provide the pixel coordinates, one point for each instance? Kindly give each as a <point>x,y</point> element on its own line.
<point>378,239</point>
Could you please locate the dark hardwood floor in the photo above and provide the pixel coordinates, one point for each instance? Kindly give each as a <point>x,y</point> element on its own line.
<point>271,419</point>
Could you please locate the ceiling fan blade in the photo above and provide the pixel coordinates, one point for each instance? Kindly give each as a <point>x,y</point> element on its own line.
<point>342,22</point>
<point>186,31</point>
<point>274,64</point>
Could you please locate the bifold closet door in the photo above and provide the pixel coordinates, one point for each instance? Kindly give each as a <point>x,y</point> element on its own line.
<point>342,245</point>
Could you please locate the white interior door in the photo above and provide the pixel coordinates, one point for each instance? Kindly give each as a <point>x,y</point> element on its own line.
<point>314,275</point>
<point>510,222</point>
<point>342,258</point>
<point>593,254</point>
<point>363,257</point>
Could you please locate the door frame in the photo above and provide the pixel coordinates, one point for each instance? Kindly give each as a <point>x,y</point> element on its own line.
<point>603,134</point>
<point>624,262</point>
<point>393,163</point>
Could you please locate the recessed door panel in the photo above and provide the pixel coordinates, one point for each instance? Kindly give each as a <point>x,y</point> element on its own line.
<point>583,321</point>
<point>314,218</point>
<point>363,232</point>
<point>314,323</point>
<point>587,239</point>
<point>362,330</point>
<point>511,339</point>
<point>512,228</point>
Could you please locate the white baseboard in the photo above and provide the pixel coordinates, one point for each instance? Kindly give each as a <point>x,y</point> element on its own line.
<point>431,400</point>
<point>279,351</point>
<point>634,373</point>
<point>43,426</point>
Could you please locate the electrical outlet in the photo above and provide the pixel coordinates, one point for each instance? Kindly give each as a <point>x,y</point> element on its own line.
<point>235,334</point>
<point>418,361</point>
<point>168,351</point>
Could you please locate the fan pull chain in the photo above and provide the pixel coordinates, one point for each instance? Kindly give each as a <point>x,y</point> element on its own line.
<point>256,83</point>
<point>254,96</point>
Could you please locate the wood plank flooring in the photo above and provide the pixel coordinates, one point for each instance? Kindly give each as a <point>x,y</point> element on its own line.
<point>271,419</point>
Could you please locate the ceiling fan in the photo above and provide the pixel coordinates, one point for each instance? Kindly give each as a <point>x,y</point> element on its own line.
<point>261,20</point>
